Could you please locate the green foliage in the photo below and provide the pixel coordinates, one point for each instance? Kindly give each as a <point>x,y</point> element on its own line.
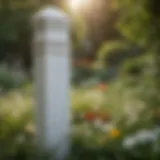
<point>107,50</point>
<point>138,23</point>
<point>115,52</point>
<point>134,21</point>
<point>81,74</point>
<point>92,140</point>
<point>11,79</point>
<point>129,100</point>
<point>17,130</point>
<point>86,99</point>
<point>109,47</point>
<point>16,31</point>
<point>114,150</point>
<point>16,139</point>
<point>141,74</point>
<point>78,31</point>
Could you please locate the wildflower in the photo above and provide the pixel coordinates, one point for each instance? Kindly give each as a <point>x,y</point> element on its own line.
<point>145,136</point>
<point>129,142</point>
<point>90,116</point>
<point>98,123</point>
<point>103,117</point>
<point>115,133</point>
<point>102,87</point>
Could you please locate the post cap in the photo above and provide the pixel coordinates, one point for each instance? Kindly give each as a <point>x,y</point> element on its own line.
<point>51,13</point>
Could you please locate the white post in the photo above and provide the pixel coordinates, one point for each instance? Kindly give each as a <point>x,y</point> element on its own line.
<point>52,79</point>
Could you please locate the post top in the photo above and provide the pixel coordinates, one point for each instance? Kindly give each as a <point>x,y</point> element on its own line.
<point>51,12</point>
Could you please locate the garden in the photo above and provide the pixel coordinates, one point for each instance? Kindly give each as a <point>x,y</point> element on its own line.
<point>115,89</point>
<point>109,120</point>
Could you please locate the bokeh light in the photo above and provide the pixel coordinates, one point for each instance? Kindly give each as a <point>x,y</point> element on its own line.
<point>77,4</point>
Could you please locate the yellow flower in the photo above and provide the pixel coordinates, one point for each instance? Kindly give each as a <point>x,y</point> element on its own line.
<point>115,133</point>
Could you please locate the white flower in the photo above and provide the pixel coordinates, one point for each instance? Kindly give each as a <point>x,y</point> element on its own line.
<point>141,137</point>
<point>129,142</point>
<point>98,123</point>
<point>145,136</point>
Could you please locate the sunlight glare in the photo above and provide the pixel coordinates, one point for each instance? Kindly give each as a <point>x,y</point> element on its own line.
<point>76,4</point>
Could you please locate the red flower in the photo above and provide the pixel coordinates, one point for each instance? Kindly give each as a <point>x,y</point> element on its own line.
<point>90,116</point>
<point>102,87</point>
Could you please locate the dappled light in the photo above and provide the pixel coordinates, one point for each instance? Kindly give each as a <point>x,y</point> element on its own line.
<point>80,80</point>
<point>77,4</point>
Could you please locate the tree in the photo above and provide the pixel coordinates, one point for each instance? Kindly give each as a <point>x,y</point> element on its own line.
<point>139,23</point>
<point>16,30</point>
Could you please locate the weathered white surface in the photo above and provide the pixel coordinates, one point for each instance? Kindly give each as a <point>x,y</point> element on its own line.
<point>52,79</point>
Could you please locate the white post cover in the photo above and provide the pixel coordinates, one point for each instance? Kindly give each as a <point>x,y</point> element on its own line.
<point>51,46</point>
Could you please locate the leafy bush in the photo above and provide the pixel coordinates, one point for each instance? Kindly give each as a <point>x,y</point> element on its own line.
<point>81,74</point>
<point>113,48</point>
<point>11,79</point>
<point>16,132</point>
<point>105,117</point>
<point>141,145</point>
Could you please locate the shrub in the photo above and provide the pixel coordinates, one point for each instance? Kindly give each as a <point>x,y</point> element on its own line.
<point>112,48</point>
<point>81,74</point>
<point>16,132</point>
<point>101,125</point>
<point>11,79</point>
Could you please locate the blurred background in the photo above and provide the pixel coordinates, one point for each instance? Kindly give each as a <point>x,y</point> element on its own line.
<point>115,78</point>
